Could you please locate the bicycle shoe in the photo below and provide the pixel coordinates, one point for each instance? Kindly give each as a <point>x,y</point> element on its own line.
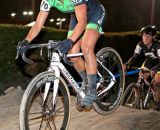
<point>78,104</point>
<point>91,96</point>
<point>78,98</point>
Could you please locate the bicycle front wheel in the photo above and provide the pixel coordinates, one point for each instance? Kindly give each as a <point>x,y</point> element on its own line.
<point>37,114</point>
<point>108,58</point>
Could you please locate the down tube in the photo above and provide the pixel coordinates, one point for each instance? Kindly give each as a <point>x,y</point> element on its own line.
<point>71,80</point>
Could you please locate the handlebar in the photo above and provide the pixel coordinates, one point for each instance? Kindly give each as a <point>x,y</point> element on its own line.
<point>50,45</point>
<point>135,70</point>
<point>144,69</point>
<point>31,46</point>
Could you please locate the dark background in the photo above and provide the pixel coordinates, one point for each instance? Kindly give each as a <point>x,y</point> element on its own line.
<point>123,15</point>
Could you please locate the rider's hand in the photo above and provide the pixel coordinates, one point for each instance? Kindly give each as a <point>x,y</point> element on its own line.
<point>153,72</point>
<point>22,46</point>
<point>64,46</point>
<point>125,67</point>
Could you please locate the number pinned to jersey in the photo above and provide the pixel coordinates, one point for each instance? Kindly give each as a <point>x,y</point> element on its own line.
<point>45,6</point>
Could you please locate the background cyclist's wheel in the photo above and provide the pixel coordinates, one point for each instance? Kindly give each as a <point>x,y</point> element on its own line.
<point>131,96</point>
<point>110,100</point>
<point>38,115</point>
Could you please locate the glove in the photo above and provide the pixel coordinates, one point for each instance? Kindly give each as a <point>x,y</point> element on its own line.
<point>153,73</point>
<point>126,66</point>
<point>22,46</point>
<point>64,46</point>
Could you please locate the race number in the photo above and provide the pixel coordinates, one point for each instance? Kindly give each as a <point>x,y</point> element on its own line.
<point>45,6</point>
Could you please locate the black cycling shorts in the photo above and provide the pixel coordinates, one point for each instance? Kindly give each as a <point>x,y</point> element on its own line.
<point>96,19</point>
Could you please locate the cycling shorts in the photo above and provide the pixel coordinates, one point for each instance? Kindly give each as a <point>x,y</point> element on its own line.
<point>96,19</point>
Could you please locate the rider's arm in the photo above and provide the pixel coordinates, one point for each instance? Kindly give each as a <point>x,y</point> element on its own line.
<point>157,67</point>
<point>137,51</point>
<point>41,18</point>
<point>81,15</point>
<point>34,31</point>
<point>132,59</point>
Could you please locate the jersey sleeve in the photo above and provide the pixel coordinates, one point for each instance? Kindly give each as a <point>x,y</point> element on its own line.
<point>138,48</point>
<point>45,6</point>
<point>158,53</point>
<point>137,51</point>
<point>157,67</point>
<point>78,2</point>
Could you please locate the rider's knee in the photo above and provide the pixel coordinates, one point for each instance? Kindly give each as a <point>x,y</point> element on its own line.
<point>157,77</point>
<point>156,81</point>
<point>87,51</point>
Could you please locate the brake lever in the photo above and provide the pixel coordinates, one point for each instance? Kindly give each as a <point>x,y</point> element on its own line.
<point>26,60</point>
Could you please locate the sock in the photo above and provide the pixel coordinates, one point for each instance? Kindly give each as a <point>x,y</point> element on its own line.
<point>92,78</point>
<point>83,75</point>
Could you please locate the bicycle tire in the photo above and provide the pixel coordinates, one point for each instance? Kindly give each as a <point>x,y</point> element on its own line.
<point>130,95</point>
<point>110,100</point>
<point>33,107</point>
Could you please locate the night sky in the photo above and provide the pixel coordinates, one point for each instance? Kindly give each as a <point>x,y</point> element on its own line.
<point>123,15</point>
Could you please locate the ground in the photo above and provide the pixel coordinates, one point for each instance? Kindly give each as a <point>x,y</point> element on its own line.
<point>122,119</point>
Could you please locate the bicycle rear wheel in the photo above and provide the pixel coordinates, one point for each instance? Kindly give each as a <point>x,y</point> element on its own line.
<point>36,114</point>
<point>110,100</point>
<point>131,97</point>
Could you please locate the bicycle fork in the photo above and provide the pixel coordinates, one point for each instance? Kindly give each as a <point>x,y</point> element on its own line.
<point>55,87</point>
<point>147,98</point>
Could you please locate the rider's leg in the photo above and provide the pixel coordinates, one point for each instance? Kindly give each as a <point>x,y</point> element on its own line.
<point>156,90</point>
<point>88,44</point>
<point>79,62</point>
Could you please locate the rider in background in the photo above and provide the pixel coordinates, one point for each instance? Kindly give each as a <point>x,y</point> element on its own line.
<point>87,19</point>
<point>151,49</point>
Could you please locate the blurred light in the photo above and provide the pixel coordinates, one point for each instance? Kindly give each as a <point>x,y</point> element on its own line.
<point>63,19</point>
<point>30,24</point>
<point>60,22</point>
<point>25,12</point>
<point>30,13</point>
<point>58,19</point>
<point>13,14</point>
<point>51,20</point>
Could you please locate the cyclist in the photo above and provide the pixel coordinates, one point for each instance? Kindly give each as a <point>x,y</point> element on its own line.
<point>87,19</point>
<point>151,49</point>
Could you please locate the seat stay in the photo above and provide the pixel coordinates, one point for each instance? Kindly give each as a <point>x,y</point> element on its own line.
<point>113,79</point>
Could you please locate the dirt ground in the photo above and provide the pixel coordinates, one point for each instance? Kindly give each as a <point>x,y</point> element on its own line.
<point>122,119</point>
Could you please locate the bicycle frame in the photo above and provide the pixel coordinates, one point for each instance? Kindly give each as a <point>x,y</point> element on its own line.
<point>142,82</point>
<point>58,68</point>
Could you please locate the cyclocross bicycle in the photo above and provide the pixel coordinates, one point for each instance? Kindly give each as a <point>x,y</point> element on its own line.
<point>46,101</point>
<point>139,95</point>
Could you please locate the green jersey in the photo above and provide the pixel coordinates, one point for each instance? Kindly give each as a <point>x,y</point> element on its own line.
<point>62,5</point>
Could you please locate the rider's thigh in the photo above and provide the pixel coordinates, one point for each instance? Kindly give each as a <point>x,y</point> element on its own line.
<point>76,47</point>
<point>156,80</point>
<point>89,40</point>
